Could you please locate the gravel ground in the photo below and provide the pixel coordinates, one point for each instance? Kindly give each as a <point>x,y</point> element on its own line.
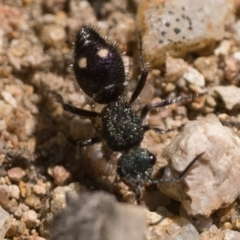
<point>38,155</point>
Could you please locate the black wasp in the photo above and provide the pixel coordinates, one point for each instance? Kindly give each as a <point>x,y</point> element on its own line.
<point>99,71</point>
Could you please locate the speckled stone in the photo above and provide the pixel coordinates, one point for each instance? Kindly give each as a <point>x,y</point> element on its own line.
<point>175,27</point>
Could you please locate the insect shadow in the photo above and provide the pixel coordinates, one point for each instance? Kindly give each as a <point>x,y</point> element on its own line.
<point>99,71</point>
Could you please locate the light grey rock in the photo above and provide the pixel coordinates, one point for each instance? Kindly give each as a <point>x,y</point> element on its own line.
<point>4,222</point>
<point>175,27</point>
<point>230,235</point>
<point>192,76</point>
<point>223,235</point>
<point>213,181</point>
<point>96,216</point>
<point>230,95</point>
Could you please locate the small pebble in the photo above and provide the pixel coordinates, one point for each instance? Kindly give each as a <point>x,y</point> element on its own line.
<point>40,189</point>
<point>60,174</point>
<point>223,49</point>
<point>16,174</point>
<point>170,227</point>
<point>3,125</point>
<point>169,87</point>
<point>33,202</point>
<point>227,225</point>
<point>16,229</point>
<point>231,69</point>
<point>53,35</point>
<point>174,73</point>
<point>14,191</point>
<point>8,98</point>
<point>12,205</point>
<point>192,76</point>
<point>25,189</point>
<point>54,6</point>
<point>21,209</point>
<point>30,219</point>
<point>230,95</point>
<point>207,66</point>
<point>236,224</point>
<point>210,101</point>
<point>236,33</point>
<point>4,195</point>
<point>58,196</point>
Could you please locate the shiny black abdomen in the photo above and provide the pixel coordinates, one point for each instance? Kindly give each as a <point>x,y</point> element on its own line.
<point>98,66</point>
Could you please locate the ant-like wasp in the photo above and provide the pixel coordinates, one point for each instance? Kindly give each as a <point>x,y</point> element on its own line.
<point>99,71</point>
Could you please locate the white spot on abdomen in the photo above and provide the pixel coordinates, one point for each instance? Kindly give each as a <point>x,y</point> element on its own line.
<point>102,53</point>
<point>82,62</point>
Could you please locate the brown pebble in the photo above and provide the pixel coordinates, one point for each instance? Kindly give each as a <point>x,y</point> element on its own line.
<point>54,6</point>
<point>210,101</point>
<point>33,201</point>
<point>25,189</point>
<point>16,174</point>
<point>4,196</point>
<point>237,224</point>
<point>60,174</point>
<point>207,66</point>
<point>227,225</point>
<point>30,218</point>
<point>175,68</point>
<point>53,35</point>
<point>231,69</point>
<point>40,189</point>
<point>16,229</point>
<point>12,205</point>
